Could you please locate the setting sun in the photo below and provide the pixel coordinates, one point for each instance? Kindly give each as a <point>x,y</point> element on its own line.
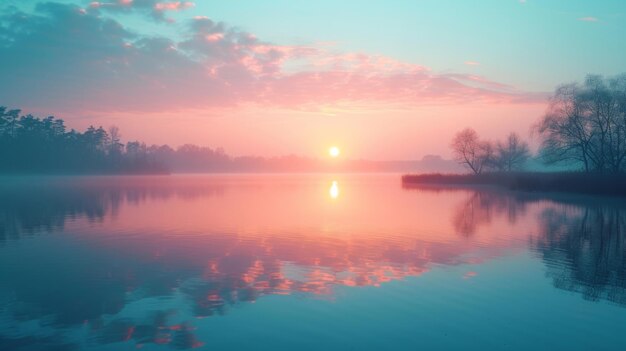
<point>334,151</point>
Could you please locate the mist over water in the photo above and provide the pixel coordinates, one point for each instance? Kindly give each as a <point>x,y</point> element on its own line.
<point>307,262</point>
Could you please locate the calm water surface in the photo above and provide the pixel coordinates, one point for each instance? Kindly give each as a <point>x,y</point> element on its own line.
<point>305,262</point>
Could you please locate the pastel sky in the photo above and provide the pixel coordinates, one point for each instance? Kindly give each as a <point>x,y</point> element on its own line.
<point>380,79</point>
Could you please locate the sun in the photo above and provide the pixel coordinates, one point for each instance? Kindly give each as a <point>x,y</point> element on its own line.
<point>334,151</point>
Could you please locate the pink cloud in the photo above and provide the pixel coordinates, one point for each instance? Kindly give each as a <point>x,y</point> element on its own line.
<point>173,6</point>
<point>379,88</point>
<point>213,67</point>
<point>97,4</point>
<point>469,275</point>
<point>152,8</point>
<point>214,37</point>
<point>588,19</point>
<point>476,80</point>
<point>471,63</point>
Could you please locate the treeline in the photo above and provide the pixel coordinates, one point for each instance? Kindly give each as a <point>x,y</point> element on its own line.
<point>481,155</point>
<point>32,145</point>
<point>584,128</point>
<point>29,144</point>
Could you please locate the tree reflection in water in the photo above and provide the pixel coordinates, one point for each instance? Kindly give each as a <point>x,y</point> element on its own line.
<point>482,206</point>
<point>584,249</point>
<point>581,239</point>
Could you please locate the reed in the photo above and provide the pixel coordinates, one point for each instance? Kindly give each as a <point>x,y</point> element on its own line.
<point>566,182</point>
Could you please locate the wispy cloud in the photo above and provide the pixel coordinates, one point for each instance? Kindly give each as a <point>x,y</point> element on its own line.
<point>588,19</point>
<point>472,63</point>
<point>63,57</point>
<point>173,5</point>
<point>153,8</point>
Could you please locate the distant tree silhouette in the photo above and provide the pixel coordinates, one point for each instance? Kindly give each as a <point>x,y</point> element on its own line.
<point>43,145</point>
<point>115,147</point>
<point>586,125</point>
<point>472,152</point>
<point>512,154</point>
<point>32,145</point>
<point>480,155</point>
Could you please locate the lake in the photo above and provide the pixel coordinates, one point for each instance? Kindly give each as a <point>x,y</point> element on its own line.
<point>305,262</point>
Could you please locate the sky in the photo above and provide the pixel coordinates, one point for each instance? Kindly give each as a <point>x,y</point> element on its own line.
<point>379,79</point>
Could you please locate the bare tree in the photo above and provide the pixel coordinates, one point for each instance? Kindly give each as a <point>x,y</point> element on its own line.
<point>587,125</point>
<point>511,154</point>
<point>470,151</point>
<point>115,145</point>
<point>566,134</point>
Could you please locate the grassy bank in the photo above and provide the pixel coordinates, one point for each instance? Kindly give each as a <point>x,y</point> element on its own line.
<point>566,182</point>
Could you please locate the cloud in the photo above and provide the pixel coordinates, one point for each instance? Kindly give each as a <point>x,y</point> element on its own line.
<point>173,5</point>
<point>588,19</point>
<point>469,275</point>
<point>112,5</point>
<point>154,8</point>
<point>471,63</point>
<point>64,58</point>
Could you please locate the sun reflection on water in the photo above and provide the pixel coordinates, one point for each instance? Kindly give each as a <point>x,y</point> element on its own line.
<point>334,190</point>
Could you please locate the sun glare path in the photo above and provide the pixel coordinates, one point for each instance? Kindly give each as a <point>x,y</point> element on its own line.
<point>334,190</point>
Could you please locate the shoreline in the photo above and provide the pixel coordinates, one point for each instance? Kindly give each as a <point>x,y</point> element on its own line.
<point>558,182</point>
